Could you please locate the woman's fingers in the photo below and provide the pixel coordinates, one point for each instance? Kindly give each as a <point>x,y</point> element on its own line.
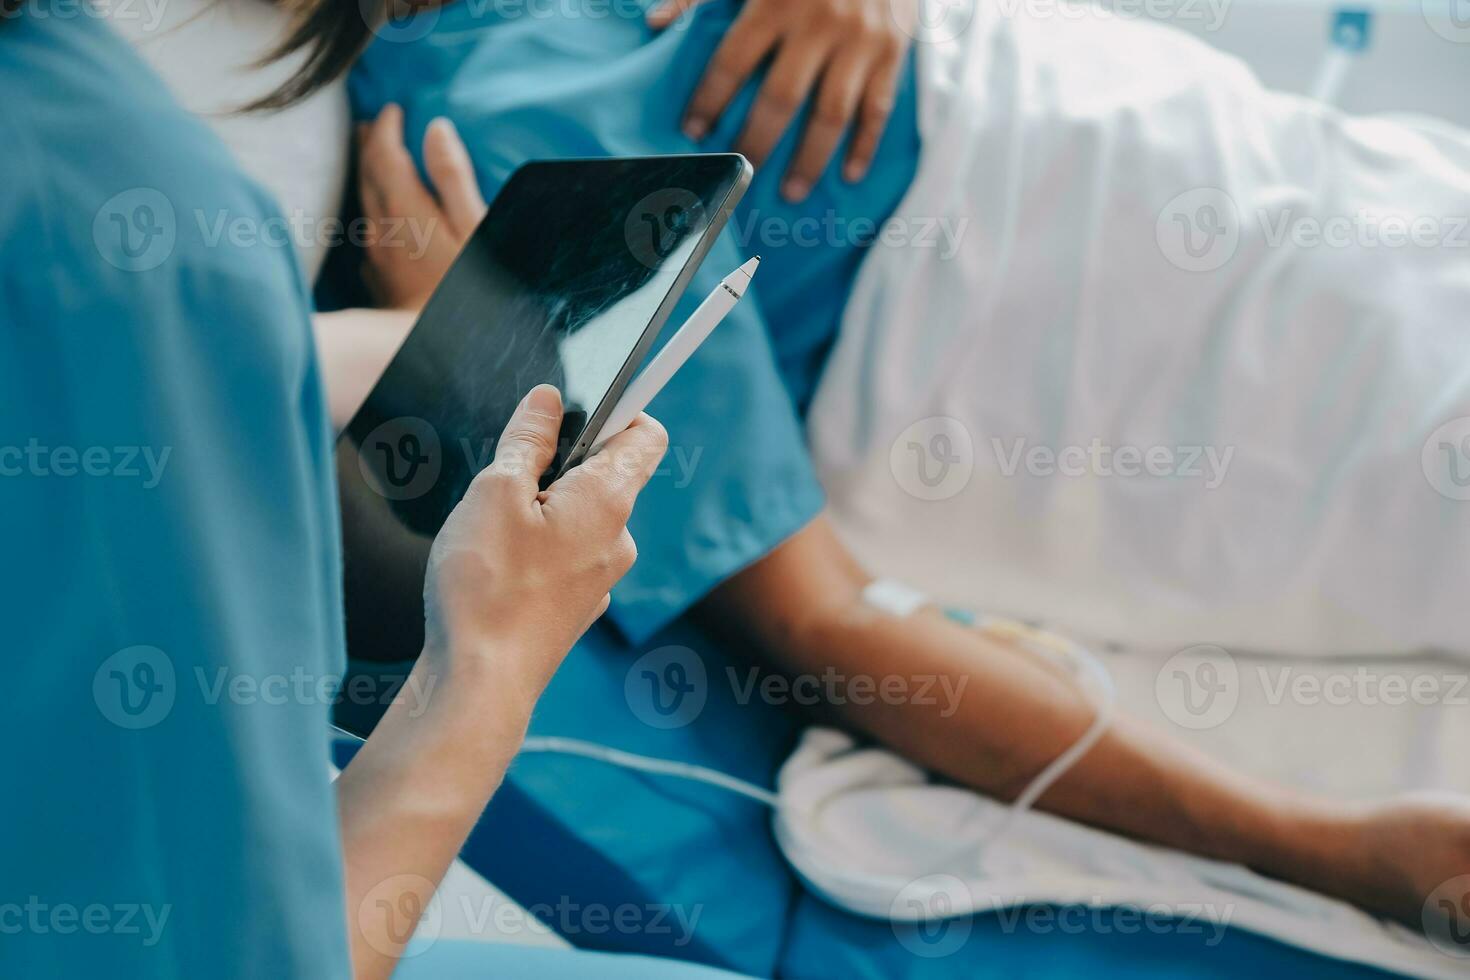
<point>837,101</point>
<point>453,174</point>
<point>791,79</point>
<point>528,444</point>
<point>747,43</point>
<point>877,106</point>
<point>620,471</point>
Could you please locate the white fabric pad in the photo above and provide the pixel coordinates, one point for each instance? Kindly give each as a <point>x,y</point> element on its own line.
<point>870,833</point>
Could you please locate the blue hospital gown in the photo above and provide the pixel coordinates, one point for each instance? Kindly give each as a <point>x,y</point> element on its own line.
<point>521,84</point>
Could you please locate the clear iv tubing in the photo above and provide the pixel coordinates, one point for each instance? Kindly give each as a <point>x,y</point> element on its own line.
<point>1082,661</point>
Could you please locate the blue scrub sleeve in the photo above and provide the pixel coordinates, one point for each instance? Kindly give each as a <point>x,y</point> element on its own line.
<point>172,592</point>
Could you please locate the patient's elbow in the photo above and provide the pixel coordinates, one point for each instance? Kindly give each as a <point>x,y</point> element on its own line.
<point>801,597</point>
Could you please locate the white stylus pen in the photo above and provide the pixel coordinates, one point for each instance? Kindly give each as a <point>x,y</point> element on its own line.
<point>701,324</point>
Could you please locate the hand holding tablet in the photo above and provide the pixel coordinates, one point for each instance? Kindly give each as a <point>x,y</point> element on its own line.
<point>567,281</point>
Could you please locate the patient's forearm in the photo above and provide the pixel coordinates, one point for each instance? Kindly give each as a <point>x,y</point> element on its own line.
<point>353,347</point>
<point>1013,715</point>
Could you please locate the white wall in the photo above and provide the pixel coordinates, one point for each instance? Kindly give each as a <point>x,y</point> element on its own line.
<point>1407,68</point>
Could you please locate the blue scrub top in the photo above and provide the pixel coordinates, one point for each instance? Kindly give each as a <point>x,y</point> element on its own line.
<point>172,587</point>
<point>523,84</point>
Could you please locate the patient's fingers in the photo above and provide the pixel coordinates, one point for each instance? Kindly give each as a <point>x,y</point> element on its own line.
<point>873,116</point>
<point>792,77</point>
<point>390,183</point>
<point>837,102</point>
<point>663,14</point>
<point>746,44</point>
<point>453,174</point>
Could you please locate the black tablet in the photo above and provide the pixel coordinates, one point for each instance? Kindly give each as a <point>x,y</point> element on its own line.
<point>568,281</point>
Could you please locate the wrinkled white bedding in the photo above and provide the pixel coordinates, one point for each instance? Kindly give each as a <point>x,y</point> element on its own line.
<point>1185,379</point>
<point>1269,303</point>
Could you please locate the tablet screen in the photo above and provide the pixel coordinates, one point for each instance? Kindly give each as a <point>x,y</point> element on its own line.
<point>566,281</point>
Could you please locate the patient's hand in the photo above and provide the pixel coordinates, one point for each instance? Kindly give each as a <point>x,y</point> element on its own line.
<point>1410,860</point>
<point>846,53</point>
<point>415,232</point>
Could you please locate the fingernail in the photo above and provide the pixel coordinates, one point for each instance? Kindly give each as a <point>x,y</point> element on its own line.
<point>854,170</point>
<point>543,400</point>
<point>695,129</point>
<point>796,189</point>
